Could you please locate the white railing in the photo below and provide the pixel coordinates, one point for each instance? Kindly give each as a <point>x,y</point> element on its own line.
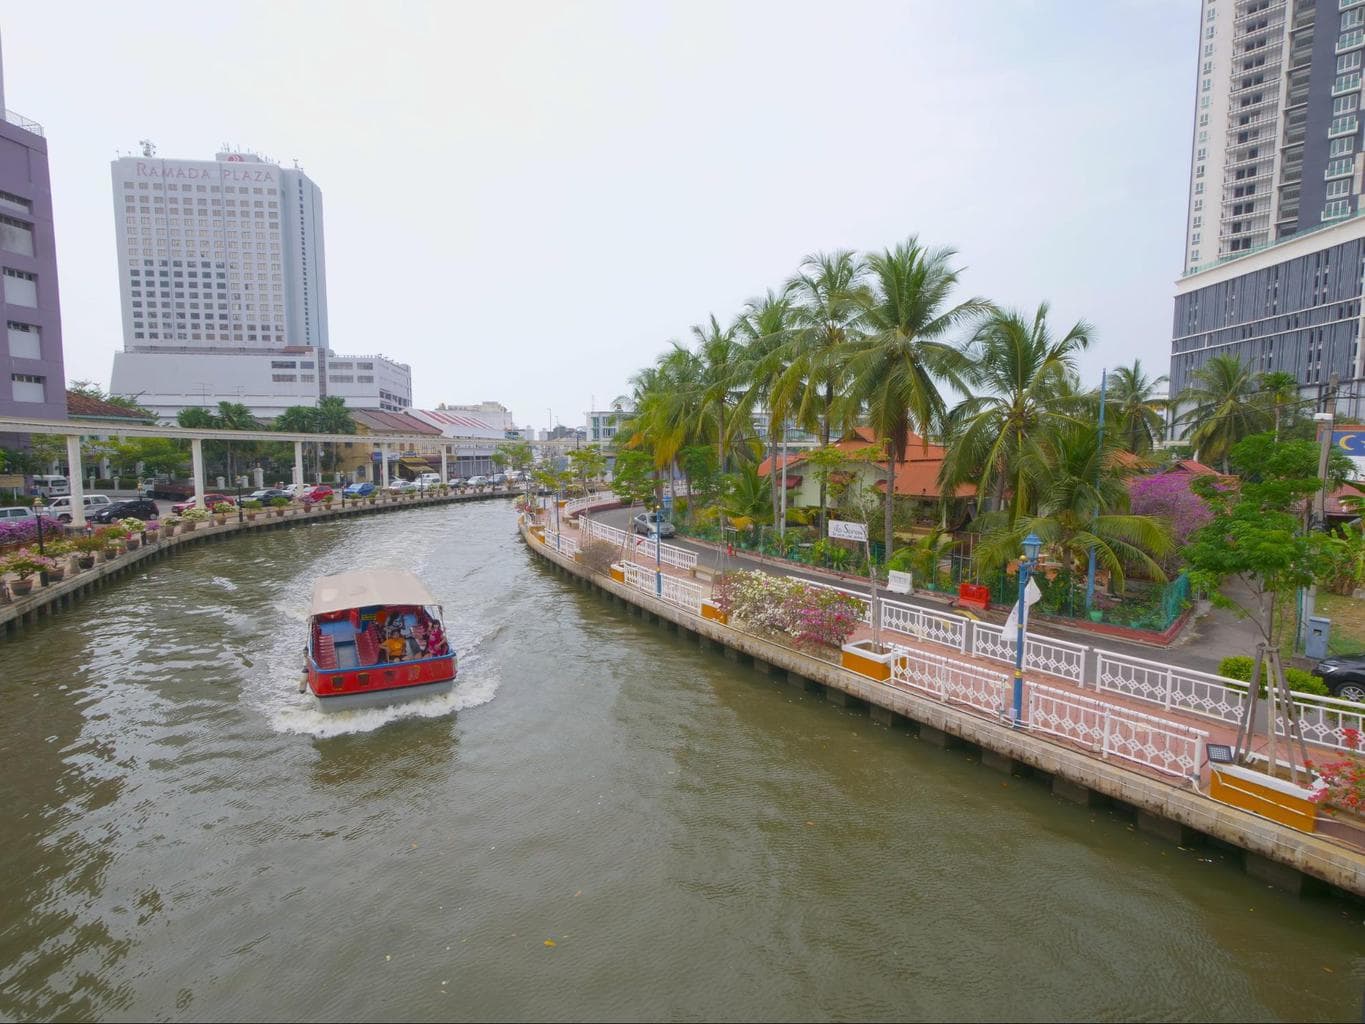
<point>577,505</point>
<point>669,554</point>
<point>1109,729</point>
<point>561,542</point>
<point>1322,720</point>
<point>683,593</point>
<point>1059,658</point>
<point>958,682</point>
<point>923,624</point>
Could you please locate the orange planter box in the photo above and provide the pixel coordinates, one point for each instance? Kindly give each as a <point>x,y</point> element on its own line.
<point>710,611</point>
<point>865,662</point>
<point>618,574</point>
<point>1257,792</point>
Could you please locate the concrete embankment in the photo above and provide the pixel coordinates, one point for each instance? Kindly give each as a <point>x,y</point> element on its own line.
<point>1270,852</point>
<point>64,594</point>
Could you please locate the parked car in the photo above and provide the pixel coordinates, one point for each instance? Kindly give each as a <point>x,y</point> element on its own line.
<point>429,480</point>
<point>135,508</point>
<point>266,494</point>
<point>359,490</point>
<point>649,522</point>
<point>209,501</point>
<point>313,495</point>
<point>401,486</point>
<point>477,481</point>
<point>295,490</point>
<point>61,508</point>
<point>1344,675</point>
<point>498,479</point>
<point>16,512</point>
<point>456,481</point>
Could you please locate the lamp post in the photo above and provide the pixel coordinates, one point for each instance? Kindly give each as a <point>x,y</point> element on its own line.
<point>1033,544</point>
<point>239,502</point>
<point>38,514</point>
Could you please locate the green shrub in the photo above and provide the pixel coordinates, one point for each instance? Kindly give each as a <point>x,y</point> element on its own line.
<point>1300,681</point>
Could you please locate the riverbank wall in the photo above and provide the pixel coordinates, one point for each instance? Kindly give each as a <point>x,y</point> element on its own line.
<point>64,594</point>
<point>1269,852</point>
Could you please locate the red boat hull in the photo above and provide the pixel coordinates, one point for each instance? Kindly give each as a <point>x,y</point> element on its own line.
<point>325,683</point>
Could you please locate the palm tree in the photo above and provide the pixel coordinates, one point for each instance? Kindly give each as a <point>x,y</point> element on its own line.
<point>828,301</point>
<point>895,368</point>
<point>1082,503</point>
<point>1280,391</point>
<point>667,397</point>
<point>234,416</point>
<point>1139,414</point>
<point>1225,408</point>
<point>764,328</point>
<point>720,355</point>
<point>1020,380</point>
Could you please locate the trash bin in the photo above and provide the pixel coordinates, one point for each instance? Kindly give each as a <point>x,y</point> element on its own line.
<point>1316,644</point>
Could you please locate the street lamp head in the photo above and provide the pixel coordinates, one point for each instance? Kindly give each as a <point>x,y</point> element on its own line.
<point>1033,544</point>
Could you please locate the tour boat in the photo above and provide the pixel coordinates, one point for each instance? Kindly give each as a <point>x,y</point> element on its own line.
<point>375,637</point>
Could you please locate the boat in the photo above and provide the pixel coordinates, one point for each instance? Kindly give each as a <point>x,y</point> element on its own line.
<point>355,619</point>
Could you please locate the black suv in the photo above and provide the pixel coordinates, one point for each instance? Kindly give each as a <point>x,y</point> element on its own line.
<point>1344,675</point>
<point>137,508</point>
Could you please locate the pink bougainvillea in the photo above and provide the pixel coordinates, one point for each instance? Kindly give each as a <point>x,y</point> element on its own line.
<point>1168,495</point>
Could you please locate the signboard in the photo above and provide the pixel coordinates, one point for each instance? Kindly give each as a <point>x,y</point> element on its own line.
<point>1350,440</point>
<point>842,530</point>
<point>899,582</point>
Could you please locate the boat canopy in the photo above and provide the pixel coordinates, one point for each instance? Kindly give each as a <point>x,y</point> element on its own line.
<point>368,587</point>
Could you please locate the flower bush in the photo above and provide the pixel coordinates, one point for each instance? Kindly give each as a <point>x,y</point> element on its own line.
<point>194,515</point>
<point>812,616</point>
<point>24,563</point>
<point>131,525</point>
<point>223,508</point>
<point>23,532</point>
<point>1343,780</point>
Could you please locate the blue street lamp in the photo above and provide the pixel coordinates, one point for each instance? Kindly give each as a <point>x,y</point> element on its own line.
<point>1033,544</point>
<point>658,568</point>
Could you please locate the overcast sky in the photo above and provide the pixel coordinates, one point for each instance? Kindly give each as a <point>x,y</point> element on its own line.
<point>527,201</point>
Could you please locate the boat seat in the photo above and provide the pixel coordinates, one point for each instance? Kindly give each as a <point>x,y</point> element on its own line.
<point>367,649</point>
<point>325,652</point>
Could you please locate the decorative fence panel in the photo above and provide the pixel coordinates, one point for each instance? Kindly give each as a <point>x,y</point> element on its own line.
<point>683,593</point>
<point>1058,658</point>
<point>957,682</point>
<point>1109,729</point>
<point>1185,689</point>
<point>923,624</point>
<point>639,547</point>
<point>577,505</point>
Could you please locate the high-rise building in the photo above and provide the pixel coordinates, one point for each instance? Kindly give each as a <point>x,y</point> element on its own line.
<point>32,378</point>
<point>223,278</point>
<point>1274,242</point>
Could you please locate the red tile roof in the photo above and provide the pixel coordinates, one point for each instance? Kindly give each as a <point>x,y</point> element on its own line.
<point>85,407</point>
<point>380,421</point>
<point>916,475</point>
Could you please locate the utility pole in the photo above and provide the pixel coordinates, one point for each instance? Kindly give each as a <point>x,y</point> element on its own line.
<point>1318,517</point>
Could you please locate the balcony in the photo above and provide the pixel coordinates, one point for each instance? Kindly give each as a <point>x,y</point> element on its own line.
<point>20,121</point>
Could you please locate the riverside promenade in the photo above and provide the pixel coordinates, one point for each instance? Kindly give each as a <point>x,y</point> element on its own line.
<point>1099,727</point>
<point>59,595</point>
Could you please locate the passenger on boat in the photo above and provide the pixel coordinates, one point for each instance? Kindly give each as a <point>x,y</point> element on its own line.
<point>436,641</point>
<point>394,646</point>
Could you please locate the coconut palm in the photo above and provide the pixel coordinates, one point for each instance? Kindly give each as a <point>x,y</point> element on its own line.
<point>1137,409</point>
<point>721,354</point>
<point>235,416</point>
<point>828,301</point>
<point>894,369</point>
<point>1280,391</point>
<point>1019,380</point>
<point>763,329</point>
<point>1082,503</point>
<point>1224,408</point>
<point>667,400</point>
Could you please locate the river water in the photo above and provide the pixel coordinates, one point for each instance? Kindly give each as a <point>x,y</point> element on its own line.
<point>599,822</point>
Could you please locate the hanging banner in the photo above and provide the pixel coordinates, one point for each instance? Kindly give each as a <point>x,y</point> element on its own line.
<point>841,530</point>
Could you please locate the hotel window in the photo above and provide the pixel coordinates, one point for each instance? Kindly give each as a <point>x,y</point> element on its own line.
<point>1337,208</point>
<point>1348,62</point>
<point>284,378</point>
<point>1342,167</point>
<point>21,288</point>
<point>1339,188</point>
<point>1341,147</point>
<point>1346,83</point>
<point>27,387</point>
<point>24,341</point>
<point>1352,19</point>
<point>1343,126</point>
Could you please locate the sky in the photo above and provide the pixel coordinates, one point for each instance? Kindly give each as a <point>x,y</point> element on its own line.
<point>528,201</point>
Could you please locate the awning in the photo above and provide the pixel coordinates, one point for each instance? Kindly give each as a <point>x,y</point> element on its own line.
<point>368,587</point>
<point>415,461</point>
<point>792,481</point>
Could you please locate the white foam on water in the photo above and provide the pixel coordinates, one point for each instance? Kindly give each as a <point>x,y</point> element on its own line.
<point>302,717</point>
<point>223,582</point>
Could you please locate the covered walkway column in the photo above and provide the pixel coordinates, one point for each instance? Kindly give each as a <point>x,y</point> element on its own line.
<point>76,474</point>
<point>445,474</point>
<point>298,463</point>
<point>384,466</point>
<point>197,468</point>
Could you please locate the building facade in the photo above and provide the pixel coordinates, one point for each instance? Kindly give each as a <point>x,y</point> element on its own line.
<point>222,274</point>
<point>32,375</point>
<point>1273,251</point>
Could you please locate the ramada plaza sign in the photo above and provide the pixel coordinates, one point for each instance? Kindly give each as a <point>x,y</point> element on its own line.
<point>260,173</point>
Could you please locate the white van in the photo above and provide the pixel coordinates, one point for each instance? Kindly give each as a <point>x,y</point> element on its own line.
<point>429,480</point>
<point>60,508</point>
<point>47,485</point>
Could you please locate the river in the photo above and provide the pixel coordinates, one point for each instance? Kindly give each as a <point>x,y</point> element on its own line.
<point>599,822</point>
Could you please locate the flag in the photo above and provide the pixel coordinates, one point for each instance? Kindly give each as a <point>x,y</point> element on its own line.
<point>1031,597</point>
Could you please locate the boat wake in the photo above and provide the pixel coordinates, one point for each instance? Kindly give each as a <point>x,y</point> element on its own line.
<point>300,717</point>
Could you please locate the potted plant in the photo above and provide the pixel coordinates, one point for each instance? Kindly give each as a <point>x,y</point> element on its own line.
<point>191,519</point>
<point>279,505</point>
<point>113,538</point>
<point>151,532</point>
<point>86,548</point>
<point>169,524</point>
<point>251,507</point>
<point>59,553</point>
<point>24,564</point>
<point>221,510</point>
<point>133,535</point>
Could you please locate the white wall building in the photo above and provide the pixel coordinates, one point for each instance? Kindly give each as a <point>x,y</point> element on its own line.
<point>222,275</point>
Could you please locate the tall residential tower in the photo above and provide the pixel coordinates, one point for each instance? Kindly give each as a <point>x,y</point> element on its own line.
<point>1274,241</point>
<point>223,280</point>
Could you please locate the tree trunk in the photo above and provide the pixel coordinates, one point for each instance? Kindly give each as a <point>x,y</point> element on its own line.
<point>890,501</point>
<point>824,443</point>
